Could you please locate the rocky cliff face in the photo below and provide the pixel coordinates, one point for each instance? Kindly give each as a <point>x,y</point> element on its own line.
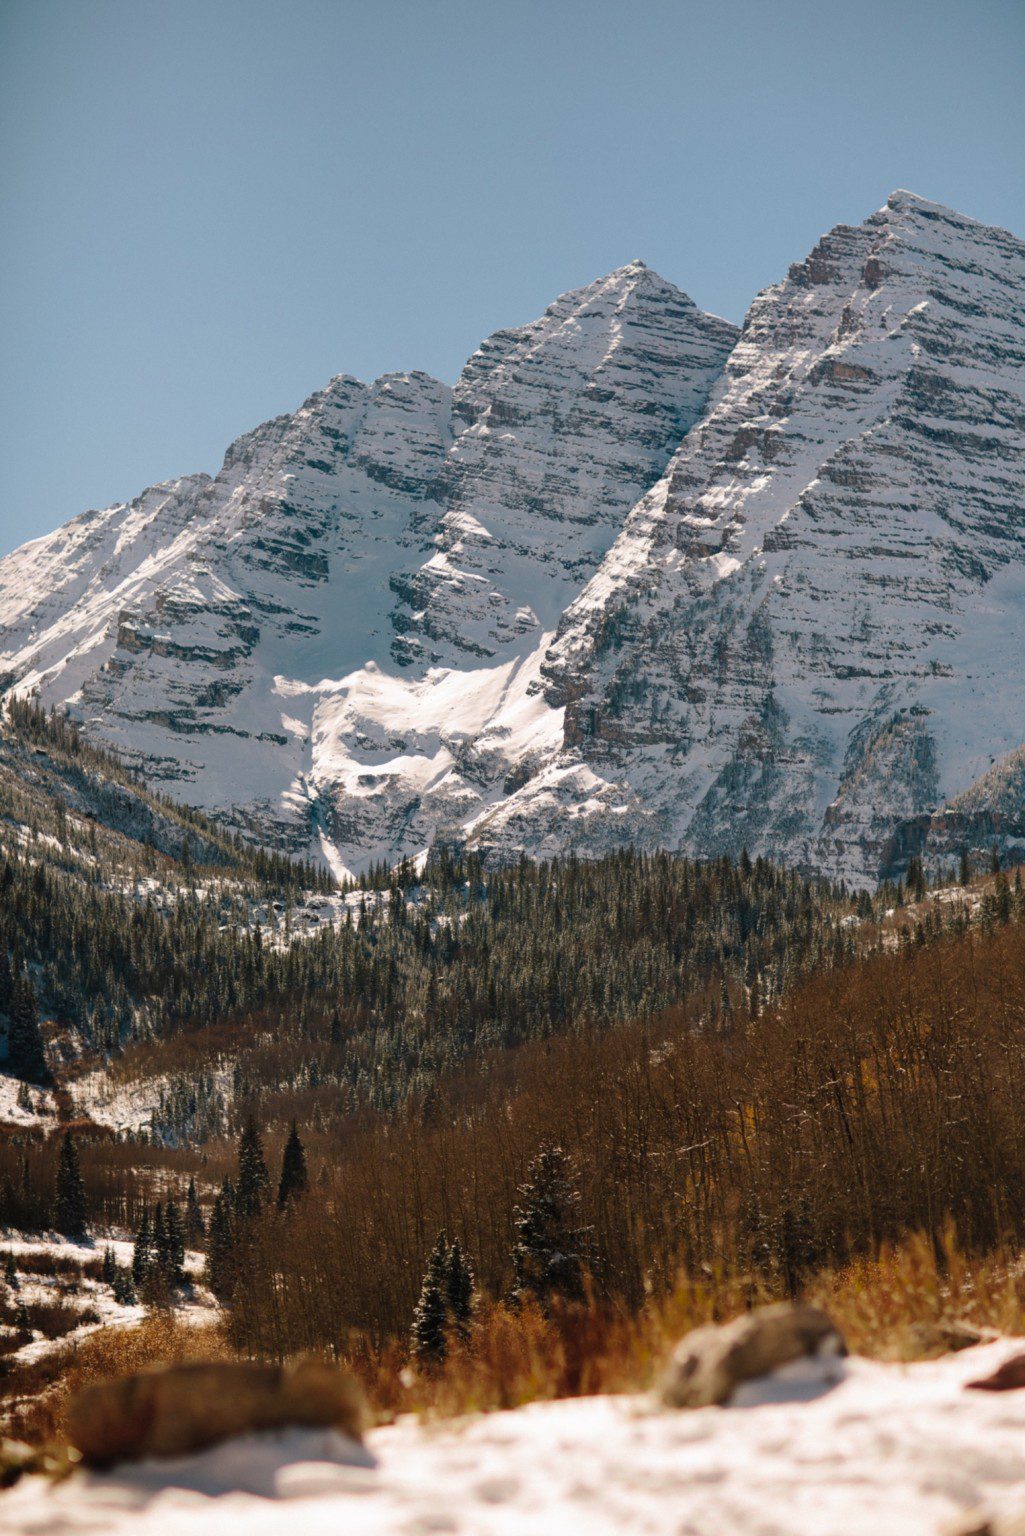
<point>809,633</point>
<point>561,426</point>
<point>267,643</point>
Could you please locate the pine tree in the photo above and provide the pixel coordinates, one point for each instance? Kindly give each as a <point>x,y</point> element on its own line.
<point>25,1055</point>
<point>69,1196</point>
<point>123,1288</point>
<point>109,1266</point>
<point>429,1320</point>
<point>142,1253</point>
<point>195,1227</point>
<point>549,1257</point>
<point>174,1230</point>
<point>253,1180</point>
<point>220,1249</point>
<point>294,1180</point>
<point>7,982</point>
<point>460,1289</point>
<point>161,1257</point>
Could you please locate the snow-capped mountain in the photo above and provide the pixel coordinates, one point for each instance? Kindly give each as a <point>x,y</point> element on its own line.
<point>808,638</point>
<point>635,579</point>
<point>317,642</point>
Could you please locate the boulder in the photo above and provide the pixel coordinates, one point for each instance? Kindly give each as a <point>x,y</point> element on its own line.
<point>1007,1377</point>
<point>980,1523</point>
<point>711,1362</point>
<point>174,1410</point>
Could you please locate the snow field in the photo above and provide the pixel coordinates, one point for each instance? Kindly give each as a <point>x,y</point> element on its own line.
<point>889,1451</point>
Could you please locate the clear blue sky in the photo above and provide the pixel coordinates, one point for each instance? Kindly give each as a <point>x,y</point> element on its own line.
<point>208,207</point>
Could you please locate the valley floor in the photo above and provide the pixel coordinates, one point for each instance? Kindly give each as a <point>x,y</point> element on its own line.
<point>891,1450</point>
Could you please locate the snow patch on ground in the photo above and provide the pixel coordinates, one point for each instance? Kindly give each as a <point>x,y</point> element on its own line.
<point>91,1297</point>
<point>890,1451</point>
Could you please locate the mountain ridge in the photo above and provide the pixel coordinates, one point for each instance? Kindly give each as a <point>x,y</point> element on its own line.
<point>636,578</point>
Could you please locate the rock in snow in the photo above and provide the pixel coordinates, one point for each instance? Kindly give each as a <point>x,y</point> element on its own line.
<point>175,1410</point>
<point>635,580</point>
<point>710,1363</point>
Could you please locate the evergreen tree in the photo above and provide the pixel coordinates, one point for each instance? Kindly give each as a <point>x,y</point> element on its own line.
<point>109,1266</point>
<point>965,871</point>
<point>253,1182</point>
<point>7,984</point>
<point>124,1288</point>
<point>25,1055</point>
<point>220,1249</point>
<point>174,1233</point>
<point>195,1227</point>
<point>142,1253</point>
<point>427,1339</point>
<point>69,1196</point>
<point>11,1271</point>
<point>161,1257</point>
<point>549,1257</point>
<point>294,1180</point>
<point>460,1289</point>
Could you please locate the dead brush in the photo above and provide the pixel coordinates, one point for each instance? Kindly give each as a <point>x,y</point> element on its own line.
<point>892,1306</point>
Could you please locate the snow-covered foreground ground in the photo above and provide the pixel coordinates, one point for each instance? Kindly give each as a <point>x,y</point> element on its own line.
<point>890,1451</point>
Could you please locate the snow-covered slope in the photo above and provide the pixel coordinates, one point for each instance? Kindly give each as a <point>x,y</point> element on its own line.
<point>264,643</point>
<point>513,612</point>
<point>809,634</point>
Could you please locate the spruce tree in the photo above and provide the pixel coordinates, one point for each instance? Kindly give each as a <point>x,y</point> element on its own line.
<point>142,1253</point>
<point>161,1257</point>
<point>6,982</point>
<point>220,1248</point>
<point>550,1253</point>
<point>195,1227</point>
<point>109,1266</point>
<point>429,1320</point>
<point>25,1055</point>
<point>174,1231</point>
<point>69,1195</point>
<point>294,1180</point>
<point>253,1180</point>
<point>460,1289</point>
<point>124,1288</point>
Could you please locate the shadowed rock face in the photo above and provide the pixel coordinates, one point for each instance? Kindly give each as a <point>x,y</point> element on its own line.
<point>628,582</point>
